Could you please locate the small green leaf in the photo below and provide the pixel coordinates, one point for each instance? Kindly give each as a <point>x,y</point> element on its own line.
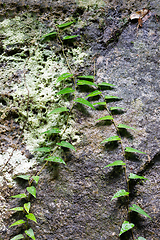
<point>66,90</point>
<point>64,76</point>
<point>35,178</point>
<point>22,195</point>
<point>107,97</point>
<point>30,233</point>
<point>141,238</point>
<point>100,103</point>
<point>134,176</point>
<point>106,84</point>
<point>120,193</point>
<point>66,144</point>
<point>31,217</point>
<point>59,110</point>
<point>129,149</point>
<point>111,139</point>
<point>85,102</point>
<point>139,210</point>
<point>84,82</point>
<point>65,24</point>
<point>70,37</point>
<point>42,149</point>
<point>55,159</point>
<point>125,126</point>
<point>32,191</point>
<point>27,206</point>
<point>54,130</point>
<point>16,209</point>
<point>17,237</point>
<point>116,108</point>
<point>125,227</point>
<point>51,34</point>
<point>116,163</point>
<point>17,223</point>
<point>86,77</point>
<point>94,93</point>
<point>105,118</point>
<point>25,177</point>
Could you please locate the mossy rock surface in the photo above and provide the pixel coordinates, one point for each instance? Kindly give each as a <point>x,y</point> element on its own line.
<point>73,201</point>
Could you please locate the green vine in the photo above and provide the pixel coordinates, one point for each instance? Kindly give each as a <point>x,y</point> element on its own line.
<point>76,81</point>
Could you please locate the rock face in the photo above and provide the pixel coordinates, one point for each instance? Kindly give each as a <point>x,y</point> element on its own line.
<point>74,200</point>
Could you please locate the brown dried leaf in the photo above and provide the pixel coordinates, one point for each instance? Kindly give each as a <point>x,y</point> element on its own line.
<point>139,14</point>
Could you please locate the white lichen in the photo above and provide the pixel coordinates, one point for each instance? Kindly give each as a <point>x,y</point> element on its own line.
<point>86,3</point>
<point>41,79</point>
<point>18,164</point>
<point>78,56</point>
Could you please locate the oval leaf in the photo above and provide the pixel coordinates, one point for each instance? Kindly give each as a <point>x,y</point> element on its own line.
<point>25,177</point>
<point>17,237</point>
<point>141,238</point>
<point>116,108</point>
<point>125,126</point>
<point>83,82</point>
<point>59,110</point>
<point>66,144</point>
<point>16,209</point>
<point>55,159</point>
<point>94,93</point>
<point>134,176</point>
<point>64,76</point>
<point>139,210</point>
<point>65,24</point>
<point>100,103</point>
<point>111,139</point>
<point>31,217</point>
<point>32,191</point>
<point>30,233</point>
<point>27,206</point>
<point>35,178</point>
<point>133,150</point>
<point>42,149</point>
<point>106,84</point>
<point>125,227</point>
<point>51,34</point>
<point>85,102</point>
<point>120,193</point>
<point>111,97</point>
<point>105,118</point>
<point>70,37</point>
<point>116,163</point>
<point>22,195</point>
<point>51,131</point>
<point>17,223</point>
<point>66,90</point>
<point>86,77</point>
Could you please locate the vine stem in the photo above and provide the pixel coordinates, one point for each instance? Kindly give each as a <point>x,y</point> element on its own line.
<point>63,52</point>
<point>67,62</point>
<point>123,152</point>
<point>44,165</point>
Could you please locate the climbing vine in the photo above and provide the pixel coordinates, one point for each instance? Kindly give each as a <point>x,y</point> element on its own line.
<point>65,81</point>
